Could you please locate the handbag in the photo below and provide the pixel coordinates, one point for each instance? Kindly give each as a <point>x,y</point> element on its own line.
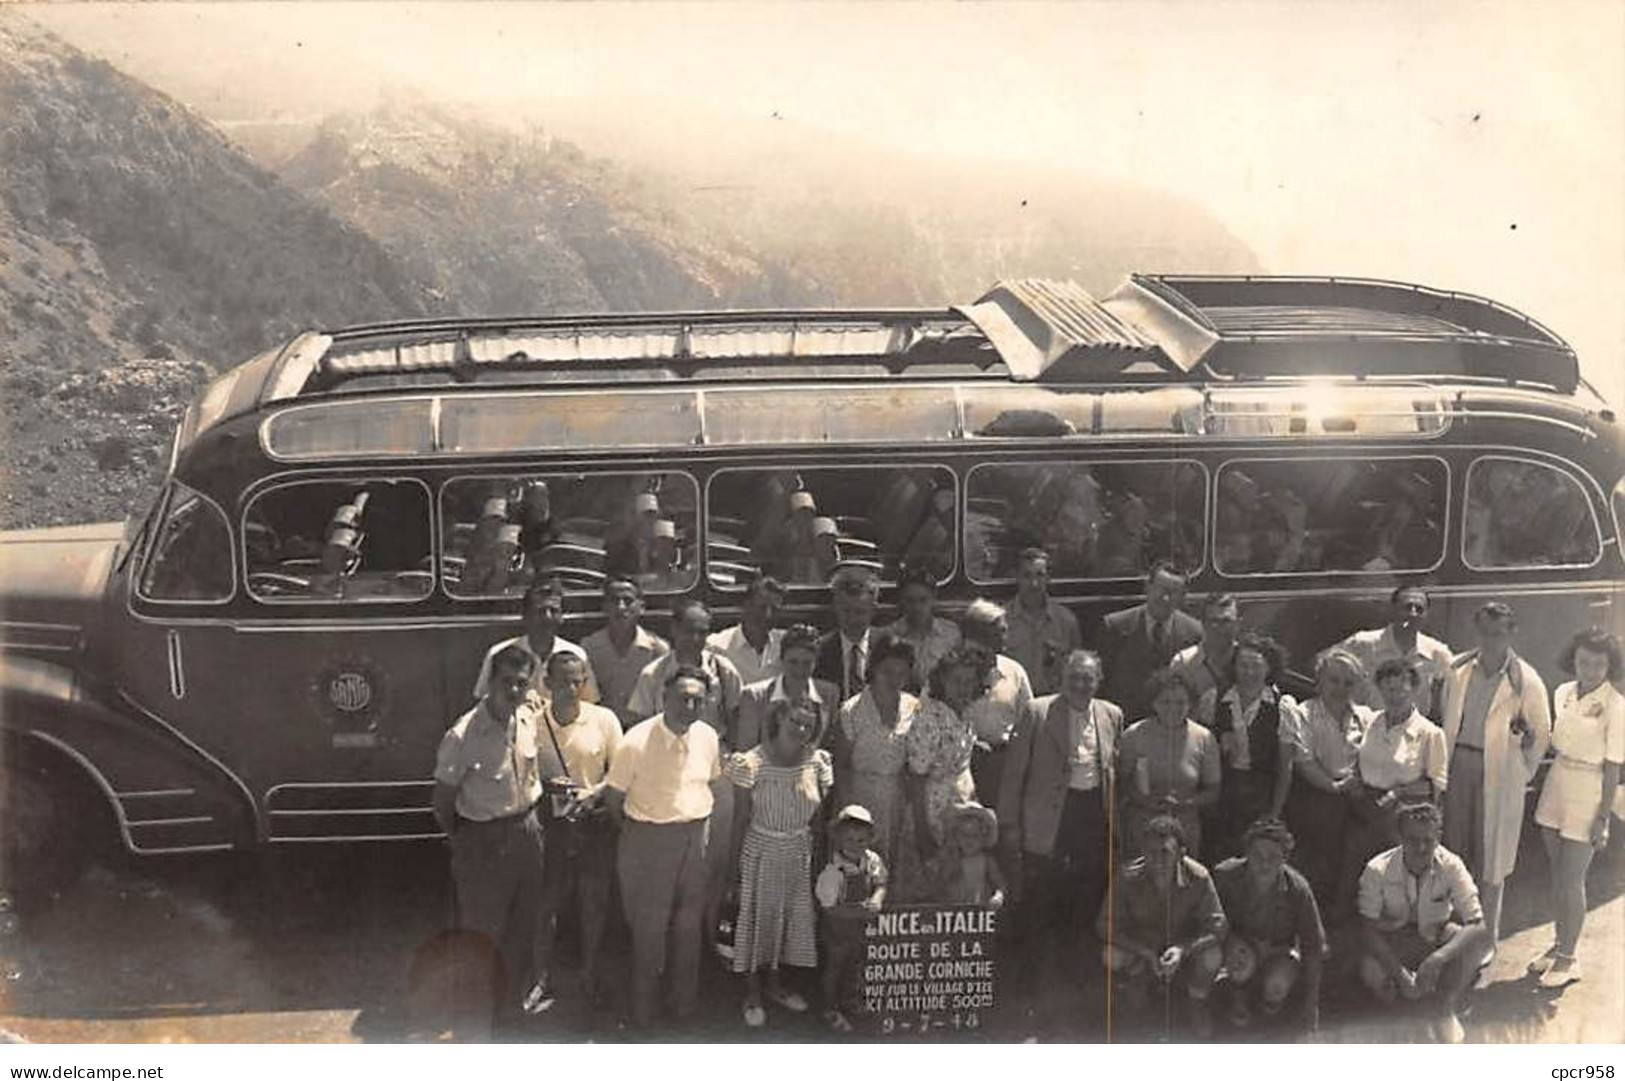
<point>727,927</point>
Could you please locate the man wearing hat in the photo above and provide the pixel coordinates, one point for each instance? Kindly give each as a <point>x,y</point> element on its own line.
<point>543,615</point>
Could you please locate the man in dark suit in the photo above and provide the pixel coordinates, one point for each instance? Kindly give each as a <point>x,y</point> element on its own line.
<point>1054,800</point>
<point>1139,640</point>
<point>843,653</point>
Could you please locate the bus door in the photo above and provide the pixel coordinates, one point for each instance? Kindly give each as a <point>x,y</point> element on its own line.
<point>337,697</point>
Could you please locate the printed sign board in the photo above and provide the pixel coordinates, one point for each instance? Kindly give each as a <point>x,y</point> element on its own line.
<point>930,969</point>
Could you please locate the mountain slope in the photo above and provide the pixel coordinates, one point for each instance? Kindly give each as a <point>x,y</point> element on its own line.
<point>516,221</point>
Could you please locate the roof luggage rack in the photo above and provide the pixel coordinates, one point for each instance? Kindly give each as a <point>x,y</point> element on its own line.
<point>1259,327</point>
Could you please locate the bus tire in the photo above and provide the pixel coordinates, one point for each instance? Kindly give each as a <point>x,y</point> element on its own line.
<point>49,827</point>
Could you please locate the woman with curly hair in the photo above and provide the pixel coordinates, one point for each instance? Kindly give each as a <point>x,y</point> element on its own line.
<point>870,745</point>
<point>940,746</point>
<point>1254,725</point>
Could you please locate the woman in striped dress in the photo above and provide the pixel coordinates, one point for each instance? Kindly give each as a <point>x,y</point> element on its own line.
<point>780,783</point>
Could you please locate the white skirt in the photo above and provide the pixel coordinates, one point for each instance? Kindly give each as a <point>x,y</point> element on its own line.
<point>1571,799</point>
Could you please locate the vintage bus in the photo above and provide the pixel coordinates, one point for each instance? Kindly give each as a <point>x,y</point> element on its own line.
<point>270,653</point>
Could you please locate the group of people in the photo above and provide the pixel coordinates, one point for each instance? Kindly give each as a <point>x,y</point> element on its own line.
<point>785,783</point>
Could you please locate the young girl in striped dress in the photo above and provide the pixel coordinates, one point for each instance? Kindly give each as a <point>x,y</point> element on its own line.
<point>781,783</point>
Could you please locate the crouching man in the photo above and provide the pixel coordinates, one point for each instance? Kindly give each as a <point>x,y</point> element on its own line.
<point>1163,925</point>
<point>1422,928</point>
<point>1276,940</point>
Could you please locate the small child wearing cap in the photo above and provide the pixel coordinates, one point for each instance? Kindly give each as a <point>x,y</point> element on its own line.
<point>966,873</point>
<point>851,886</point>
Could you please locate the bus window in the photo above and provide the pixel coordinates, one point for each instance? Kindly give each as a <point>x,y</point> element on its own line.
<point>191,559</point>
<point>797,524</point>
<point>364,540</point>
<point>1526,514</point>
<point>1329,516</point>
<point>1097,520</point>
<point>500,533</point>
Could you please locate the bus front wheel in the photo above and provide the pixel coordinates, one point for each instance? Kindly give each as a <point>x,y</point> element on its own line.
<point>46,828</point>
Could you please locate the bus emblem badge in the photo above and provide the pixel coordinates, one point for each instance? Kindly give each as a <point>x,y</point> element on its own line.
<point>349,692</point>
<point>348,695</point>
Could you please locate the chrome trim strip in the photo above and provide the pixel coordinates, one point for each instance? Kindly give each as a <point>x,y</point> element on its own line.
<point>188,820</point>
<point>156,793</point>
<point>428,781</point>
<point>177,669</point>
<point>207,757</point>
<point>358,838</point>
<point>308,812</point>
<point>25,625</point>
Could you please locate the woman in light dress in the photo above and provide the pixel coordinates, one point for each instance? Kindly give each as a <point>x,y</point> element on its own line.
<point>1588,734</point>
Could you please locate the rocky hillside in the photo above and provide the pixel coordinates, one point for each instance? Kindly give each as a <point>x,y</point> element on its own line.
<point>504,221</point>
<point>131,231</point>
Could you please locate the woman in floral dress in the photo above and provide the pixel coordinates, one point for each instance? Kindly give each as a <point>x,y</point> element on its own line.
<point>939,750</point>
<point>781,783</point>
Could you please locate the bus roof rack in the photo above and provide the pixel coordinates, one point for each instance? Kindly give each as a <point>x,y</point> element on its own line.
<point>1258,327</point>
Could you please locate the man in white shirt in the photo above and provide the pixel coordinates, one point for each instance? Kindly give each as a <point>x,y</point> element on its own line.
<point>1001,707</point>
<point>660,784</point>
<point>1422,927</point>
<point>543,615</point>
<point>1403,638</point>
<point>487,782</point>
<point>752,644</point>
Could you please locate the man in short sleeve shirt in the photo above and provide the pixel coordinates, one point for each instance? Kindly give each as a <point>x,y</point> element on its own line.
<point>660,784</point>
<point>487,782</point>
<point>1422,927</point>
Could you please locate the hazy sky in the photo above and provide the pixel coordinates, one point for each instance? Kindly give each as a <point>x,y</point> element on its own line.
<point>1475,146</point>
